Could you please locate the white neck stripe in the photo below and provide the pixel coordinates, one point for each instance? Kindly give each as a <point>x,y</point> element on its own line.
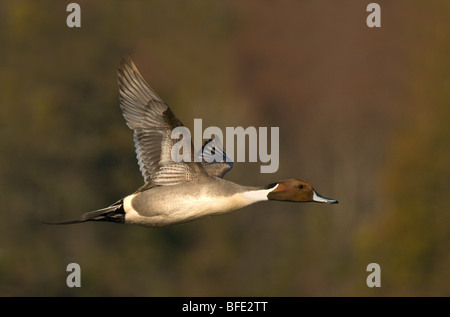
<point>258,195</point>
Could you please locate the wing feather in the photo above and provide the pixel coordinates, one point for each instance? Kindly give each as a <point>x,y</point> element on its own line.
<point>152,122</point>
<point>214,159</point>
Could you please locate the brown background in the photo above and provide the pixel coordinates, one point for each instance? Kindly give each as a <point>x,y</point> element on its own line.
<point>363,115</point>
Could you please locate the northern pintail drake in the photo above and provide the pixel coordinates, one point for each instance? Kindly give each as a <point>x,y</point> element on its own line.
<point>178,192</point>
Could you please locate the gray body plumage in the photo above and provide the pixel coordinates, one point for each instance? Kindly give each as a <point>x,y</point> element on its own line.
<point>166,205</point>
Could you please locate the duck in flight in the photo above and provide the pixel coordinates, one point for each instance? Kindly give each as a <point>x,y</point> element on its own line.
<point>179,192</point>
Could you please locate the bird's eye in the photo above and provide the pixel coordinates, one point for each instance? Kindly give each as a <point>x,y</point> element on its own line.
<point>300,186</point>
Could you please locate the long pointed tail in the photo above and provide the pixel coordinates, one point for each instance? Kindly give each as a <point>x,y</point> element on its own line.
<point>113,213</point>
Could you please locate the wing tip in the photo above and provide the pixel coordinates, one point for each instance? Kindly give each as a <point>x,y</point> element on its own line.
<point>127,65</point>
<point>131,82</point>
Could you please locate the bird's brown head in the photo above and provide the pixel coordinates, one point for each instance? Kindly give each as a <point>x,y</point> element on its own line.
<point>297,191</point>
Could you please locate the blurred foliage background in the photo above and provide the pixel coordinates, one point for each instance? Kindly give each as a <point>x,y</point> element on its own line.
<point>363,115</point>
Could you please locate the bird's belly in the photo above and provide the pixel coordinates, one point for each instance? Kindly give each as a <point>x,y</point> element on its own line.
<point>156,211</point>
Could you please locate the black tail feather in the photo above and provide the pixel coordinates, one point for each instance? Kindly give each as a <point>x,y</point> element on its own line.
<point>113,213</point>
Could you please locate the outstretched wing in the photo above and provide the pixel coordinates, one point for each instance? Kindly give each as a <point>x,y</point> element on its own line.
<point>152,122</point>
<point>214,159</point>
